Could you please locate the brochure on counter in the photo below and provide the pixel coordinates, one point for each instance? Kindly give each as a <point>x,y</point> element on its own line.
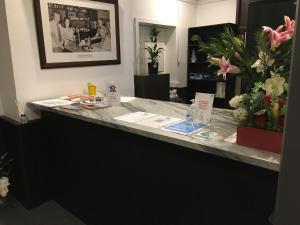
<point>76,103</point>
<point>135,117</point>
<point>183,127</point>
<point>166,123</point>
<point>148,119</point>
<point>158,121</point>
<point>206,134</point>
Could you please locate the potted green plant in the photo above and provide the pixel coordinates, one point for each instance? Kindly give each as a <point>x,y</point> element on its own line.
<point>196,39</point>
<point>154,52</point>
<point>154,32</point>
<point>5,168</point>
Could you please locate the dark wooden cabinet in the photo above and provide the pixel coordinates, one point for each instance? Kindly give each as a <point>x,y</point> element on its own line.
<point>155,87</point>
<point>122,178</point>
<point>252,14</point>
<point>242,15</point>
<point>27,145</point>
<point>266,13</point>
<point>108,176</point>
<point>201,77</point>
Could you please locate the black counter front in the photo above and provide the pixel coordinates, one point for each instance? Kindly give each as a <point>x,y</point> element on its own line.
<point>105,175</point>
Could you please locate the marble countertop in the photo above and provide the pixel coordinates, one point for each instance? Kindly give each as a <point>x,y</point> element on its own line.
<point>221,124</point>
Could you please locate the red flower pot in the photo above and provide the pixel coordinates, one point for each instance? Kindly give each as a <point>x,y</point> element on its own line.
<point>260,139</point>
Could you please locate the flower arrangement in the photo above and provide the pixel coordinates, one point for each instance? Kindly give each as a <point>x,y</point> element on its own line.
<point>5,168</point>
<point>263,105</point>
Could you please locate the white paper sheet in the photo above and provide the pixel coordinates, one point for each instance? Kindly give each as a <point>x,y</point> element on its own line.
<point>51,103</point>
<point>135,117</point>
<point>158,121</point>
<point>231,138</point>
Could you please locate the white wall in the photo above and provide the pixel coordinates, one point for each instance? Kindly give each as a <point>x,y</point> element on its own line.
<point>22,78</point>
<point>160,12</point>
<point>32,83</point>
<point>171,13</point>
<point>1,107</point>
<point>165,11</point>
<point>7,83</point>
<point>216,11</point>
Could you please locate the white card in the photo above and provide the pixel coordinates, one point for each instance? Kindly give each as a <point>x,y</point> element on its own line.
<point>112,94</point>
<point>158,121</point>
<point>135,117</point>
<point>231,138</point>
<point>204,104</point>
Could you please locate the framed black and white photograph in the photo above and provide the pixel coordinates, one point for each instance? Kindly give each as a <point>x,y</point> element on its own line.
<point>77,32</point>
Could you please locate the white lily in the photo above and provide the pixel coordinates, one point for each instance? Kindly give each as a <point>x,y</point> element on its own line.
<point>4,183</point>
<point>260,63</point>
<point>240,114</point>
<point>234,102</point>
<point>274,86</point>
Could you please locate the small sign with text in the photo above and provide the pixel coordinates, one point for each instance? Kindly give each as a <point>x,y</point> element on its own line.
<point>204,104</point>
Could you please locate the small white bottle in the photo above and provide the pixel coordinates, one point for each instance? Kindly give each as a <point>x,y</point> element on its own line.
<point>196,115</point>
<point>23,118</point>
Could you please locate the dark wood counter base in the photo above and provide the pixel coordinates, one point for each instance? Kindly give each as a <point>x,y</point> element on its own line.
<point>110,177</point>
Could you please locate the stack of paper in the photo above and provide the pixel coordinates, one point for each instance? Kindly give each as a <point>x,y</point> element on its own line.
<point>51,103</point>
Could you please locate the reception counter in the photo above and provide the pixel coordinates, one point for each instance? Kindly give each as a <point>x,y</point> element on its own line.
<point>107,171</point>
<point>221,123</point>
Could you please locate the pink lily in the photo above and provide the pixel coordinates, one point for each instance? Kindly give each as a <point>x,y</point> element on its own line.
<point>289,25</point>
<point>237,56</point>
<point>215,60</point>
<point>226,67</point>
<point>276,37</point>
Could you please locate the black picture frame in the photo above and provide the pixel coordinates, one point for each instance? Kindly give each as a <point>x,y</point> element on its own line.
<point>45,64</point>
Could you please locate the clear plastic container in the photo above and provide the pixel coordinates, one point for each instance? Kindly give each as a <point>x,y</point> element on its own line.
<point>193,116</point>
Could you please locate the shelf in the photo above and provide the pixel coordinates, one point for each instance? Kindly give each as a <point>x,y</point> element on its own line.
<point>198,63</point>
<point>206,84</point>
<point>207,80</point>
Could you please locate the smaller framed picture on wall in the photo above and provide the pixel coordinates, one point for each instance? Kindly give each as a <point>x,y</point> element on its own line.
<point>73,33</point>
